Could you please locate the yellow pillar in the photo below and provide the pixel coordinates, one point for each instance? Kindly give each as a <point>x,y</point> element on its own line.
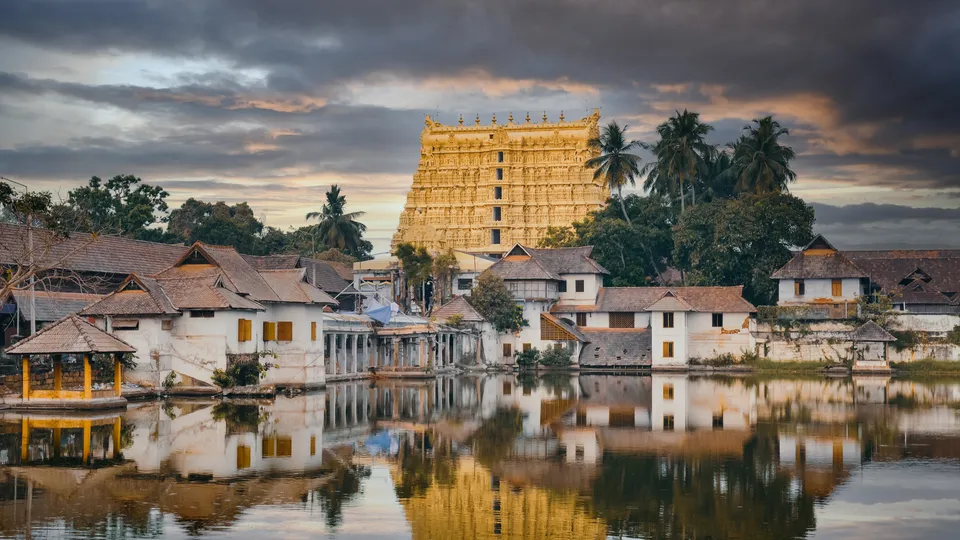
<point>117,376</point>
<point>24,439</point>
<point>26,377</point>
<point>87,378</point>
<point>57,375</point>
<point>86,441</point>
<point>116,438</point>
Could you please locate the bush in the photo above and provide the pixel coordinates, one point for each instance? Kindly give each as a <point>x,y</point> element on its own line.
<point>240,374</point>
<point>528,358</point>
<point>556,357</point>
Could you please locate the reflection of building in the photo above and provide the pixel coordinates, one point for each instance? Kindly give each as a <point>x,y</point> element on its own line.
<point>483,188</point>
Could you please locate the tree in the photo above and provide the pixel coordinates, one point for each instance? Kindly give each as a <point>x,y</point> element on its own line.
<point>761,163</point>
<point>416,264</point>
<point>556,237</point>
<point>219,224</point>
<point>123,205</point>
<point>337,229</point>
<point>615,165</point>
<point>445,267</point>
<point>717,180</point>
<point>680,154</point>
<point>742,241</point>
<point>491,298</point>
<point>335,255</point>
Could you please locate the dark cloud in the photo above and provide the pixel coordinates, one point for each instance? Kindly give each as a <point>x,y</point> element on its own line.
<point>857,214</point>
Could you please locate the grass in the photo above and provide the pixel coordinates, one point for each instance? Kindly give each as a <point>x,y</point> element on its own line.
<point>793,366</point>
<point>927,366</point>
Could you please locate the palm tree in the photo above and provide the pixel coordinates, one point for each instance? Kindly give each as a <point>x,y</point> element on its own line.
<point>680,156</point>
<point>761,163</point>
<point>615,165</point>
<point>718,178</point>
<point>335,228</point>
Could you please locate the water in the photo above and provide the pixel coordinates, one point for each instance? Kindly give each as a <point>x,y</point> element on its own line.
<point>594,456</point>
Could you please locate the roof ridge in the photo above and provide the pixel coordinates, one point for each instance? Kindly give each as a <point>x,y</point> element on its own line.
<point>82,331</point>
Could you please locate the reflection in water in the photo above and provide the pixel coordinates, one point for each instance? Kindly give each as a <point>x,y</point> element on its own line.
<point>662,456</point>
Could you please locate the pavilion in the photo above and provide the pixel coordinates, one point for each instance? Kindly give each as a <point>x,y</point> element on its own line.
<point>70,336</point>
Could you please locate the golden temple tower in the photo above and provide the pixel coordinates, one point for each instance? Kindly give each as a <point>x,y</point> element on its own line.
<point>481,188</point>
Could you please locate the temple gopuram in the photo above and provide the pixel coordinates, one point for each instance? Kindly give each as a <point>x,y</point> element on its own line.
<point>482,188</point>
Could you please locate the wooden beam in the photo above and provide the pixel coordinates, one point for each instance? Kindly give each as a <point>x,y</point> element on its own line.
<point>87,378</point>
<point>25,372</point>
<point>117,375</point>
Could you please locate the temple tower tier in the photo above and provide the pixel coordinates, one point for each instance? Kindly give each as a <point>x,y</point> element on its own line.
<point>483,188</point>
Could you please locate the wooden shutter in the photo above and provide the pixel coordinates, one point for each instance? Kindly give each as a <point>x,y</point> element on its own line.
<point>836,287</point>
<point>668,349</point>
<point>269,331</point>
<point>313,331</point>
<point>623,319</point>
<point>244,330</point>
<point>285,331</point>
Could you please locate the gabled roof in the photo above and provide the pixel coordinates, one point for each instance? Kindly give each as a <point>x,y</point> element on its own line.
<point>888,269</point>
<point>835,265</point>
<point>344,270</point>
<point>70,335</point>
<point>919,292</point>
<point>819,242</point>
<point>51,305</point>
<point>290,286</point>
<point>871,331</point>
<point>526,263</point>
<point>203,291</point>
<point>325,277</point>
<point>273,262</point>
<point>136,296</point>
<point>635,299</point>
<point>458,306</point>
<point>669,301</point>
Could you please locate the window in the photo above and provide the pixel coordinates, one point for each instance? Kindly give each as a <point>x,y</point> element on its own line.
<point>668,349</point>
<point>562,286</point>
<point>668,320</point>
<point>126,324</point>
<point>166,324</point>
<point>243,457</point>
<point>717,320</point>
<point>284,447</point>
<point>578,285</point>
<point>621,418</point>
<point>285,331</point>
<point>581,319</point>
<point>527,347</point>
<point>498,193</point>
<point>527,389</point>
<point>718,421</point>
<point>507,388</point>
<point>799,288</point>
<point>507,350</point>
<point>836,287</point>
<point>497,213</point>
<point>622,319</point>
<point>668,422</point>
<point>313,332</point>
<point>465,284</point>
<point>244,330</point>
<point>499,174</point>
<point>499,157</point>
<point>269,331</point>
<point>269,447</point>
<point>668,391</point>
<point>201,314</point>
<point>313,445</point>
<point>495,236</point>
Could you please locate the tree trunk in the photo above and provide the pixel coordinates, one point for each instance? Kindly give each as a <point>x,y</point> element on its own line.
<point>682,195</point>
<point>623,206</point>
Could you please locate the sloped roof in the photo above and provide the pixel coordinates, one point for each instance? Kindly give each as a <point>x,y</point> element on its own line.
<point>706,299</point>
<point>670,302</point>
<point>82,252</point>
<point>573,260</point>
<point>136,296</point>
<point>571,329</point>
<point>458,306</point>
<point>272,262</point>
<point>325,277</point>
<point>920,292</point>
<point>889,268</point>
<point>289,286</point>
<point>70,335</point>
<point>243,276</point>
<point>344,270</point>
<point>804,266</point>
<point>616,347</point>
<point>53,306</point>
<point>202,291</point>
<point>871,331</point>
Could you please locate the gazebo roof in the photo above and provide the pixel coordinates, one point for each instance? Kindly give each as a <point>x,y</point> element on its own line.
<point>70,335</point>
<point>871,331</point>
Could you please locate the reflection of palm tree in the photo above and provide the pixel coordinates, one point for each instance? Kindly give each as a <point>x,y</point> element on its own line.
<point>342,487</point>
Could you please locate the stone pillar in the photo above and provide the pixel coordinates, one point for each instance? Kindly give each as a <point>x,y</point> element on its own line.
<point>117,375</point>
<point>332,409</point>
<point>57,374</point>
<point>421,350</point>
<point>450,356</point>
<point>87,388</point>
<point>57,437</point>
<point>25,375</point>
<point>396,353</point>
<point>328,358</point>
<point>356,355</point>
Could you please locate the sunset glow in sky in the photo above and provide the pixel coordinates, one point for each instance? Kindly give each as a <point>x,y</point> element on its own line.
<point>271,102</point>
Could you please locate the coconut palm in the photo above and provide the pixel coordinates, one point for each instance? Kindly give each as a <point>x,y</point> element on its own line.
<point>718,179</point>
<point>335,228</point>
<point>679,156</point>
<point>615,165</point>
<point>761,163</point>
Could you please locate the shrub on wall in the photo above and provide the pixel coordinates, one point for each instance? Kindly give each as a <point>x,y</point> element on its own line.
<point>528,358</point>
<point>556,357</point>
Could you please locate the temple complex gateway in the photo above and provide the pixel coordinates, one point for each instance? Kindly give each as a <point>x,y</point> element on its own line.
<point>484,188</point>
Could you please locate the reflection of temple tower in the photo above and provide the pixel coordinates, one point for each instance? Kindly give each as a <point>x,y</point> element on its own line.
<point>483,188</point>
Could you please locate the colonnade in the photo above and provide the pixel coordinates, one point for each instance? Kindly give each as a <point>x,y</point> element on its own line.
<point>350,354</point>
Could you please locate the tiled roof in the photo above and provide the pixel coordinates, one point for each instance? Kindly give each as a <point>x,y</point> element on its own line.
<point>136,296</point>
<point>835,265</point>
<point>574,331</point>
<point>53,306</point>
<point>344,270</point>
<point>888,268</point>
<point>458,306</point>
<point>325,277</point>
<point>70,335</point>
<point>616,347</point>
<point>82,252</point>
<point>273,262</point>
<point>546,264</point>
<point>289,286</point>
<point>670,302</point>
<point>871,331</point>
<point>243,276</point>
<point>707,299</point>
<point>202,292</point>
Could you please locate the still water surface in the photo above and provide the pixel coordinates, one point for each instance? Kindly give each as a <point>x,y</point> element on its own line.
<point>594,456</point>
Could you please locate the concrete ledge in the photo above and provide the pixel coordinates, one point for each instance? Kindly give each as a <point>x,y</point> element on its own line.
<point>101,403</point>
<point>140,393</point>
<point>250,391</point>
<point>193,391</point>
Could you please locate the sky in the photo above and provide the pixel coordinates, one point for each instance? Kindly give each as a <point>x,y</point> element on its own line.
<point>271,102</point>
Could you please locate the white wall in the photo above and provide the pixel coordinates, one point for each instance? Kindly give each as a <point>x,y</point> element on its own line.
<point>591,287</point>
<point>457,291</point>
<point>149,340</point>
<point>677,334</point>
<point>705,342</point>
<point>601,319</point>
<point>818,289</point>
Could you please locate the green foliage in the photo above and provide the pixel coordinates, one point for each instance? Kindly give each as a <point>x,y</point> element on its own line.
<point>906,339</point>
<point>494,440</point>
<point>240,374</point>
<point>681,154</point>
<point>494,302</point>
<point>239,418</point>
<point>721,360</point>
<point>337,229</point>
<point>528,358</point>
<point>219,224</point>
<point>760,162</point>
<point>557,237</point>
<point>415,261</point>
<point>335,255</point>
<point>445,267</point>
<point>556,357</point>
<point>953,336</point>
<point>742,241</point>
<point>878,308</point>
<point>170,380</point>
<point>615,165</point>
<point>124,205</point>
<point>455,321</point>
<point>927,366</point>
